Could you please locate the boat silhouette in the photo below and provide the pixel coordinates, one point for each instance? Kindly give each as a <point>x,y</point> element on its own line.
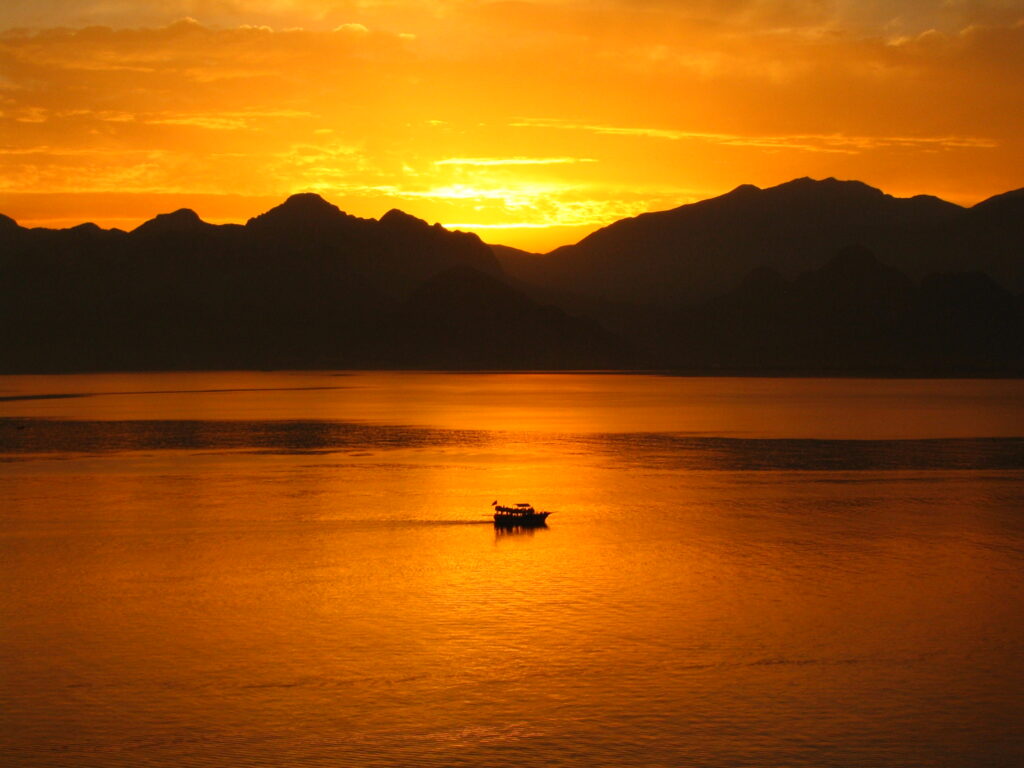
<point>519,516</point>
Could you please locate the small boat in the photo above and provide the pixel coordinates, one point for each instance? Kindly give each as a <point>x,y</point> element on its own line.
<point>519,516</point>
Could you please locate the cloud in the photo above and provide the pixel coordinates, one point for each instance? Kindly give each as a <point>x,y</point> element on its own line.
<point>358,30</point>
<point>540,206</point>
<point>210,122</point>
<point>869,17</point>
<point>806,142</point>
<point>859,17</point>
<point>222,121</point>
<point>425,101</point>
<point>483,162</point>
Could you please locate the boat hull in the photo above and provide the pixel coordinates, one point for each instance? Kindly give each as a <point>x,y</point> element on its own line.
<point>536,520</point>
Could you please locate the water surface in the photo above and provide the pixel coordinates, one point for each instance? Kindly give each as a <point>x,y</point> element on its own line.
<point>297,569</point>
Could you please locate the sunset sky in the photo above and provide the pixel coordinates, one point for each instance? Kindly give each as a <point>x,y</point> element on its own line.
<point>531,123</point>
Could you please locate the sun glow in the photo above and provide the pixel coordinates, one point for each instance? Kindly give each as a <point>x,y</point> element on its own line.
<point>485,114</point>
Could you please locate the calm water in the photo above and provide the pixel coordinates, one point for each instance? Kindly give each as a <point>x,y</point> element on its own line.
<point>296,570</point>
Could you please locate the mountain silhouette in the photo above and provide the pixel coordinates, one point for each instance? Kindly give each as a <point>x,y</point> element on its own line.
<point>302,285</point>
<point>464,318</point>
<point>183,221</point>
<point>306,212</point>
<point>394,253</point>
<point>697,251</point>
<point>854,314</point>
<point>806,277</point>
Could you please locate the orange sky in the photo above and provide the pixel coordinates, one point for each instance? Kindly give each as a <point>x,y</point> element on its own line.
<point>531,123</point>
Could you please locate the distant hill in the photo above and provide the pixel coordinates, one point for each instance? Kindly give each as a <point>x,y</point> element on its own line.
<point>463,318</point>
<point>853,314</point>
<point>303,285</point>
<point>807,277</point>
<point>700,250</point>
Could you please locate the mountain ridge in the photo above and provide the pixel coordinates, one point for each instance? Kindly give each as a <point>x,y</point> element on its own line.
<point>302,285</point>
<point>692,252</point>
<point>854,313</point>
<point>833,276</point>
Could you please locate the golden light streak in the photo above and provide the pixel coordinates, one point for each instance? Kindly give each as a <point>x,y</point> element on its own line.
<point>835,142</point>
<point>502,161</point>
